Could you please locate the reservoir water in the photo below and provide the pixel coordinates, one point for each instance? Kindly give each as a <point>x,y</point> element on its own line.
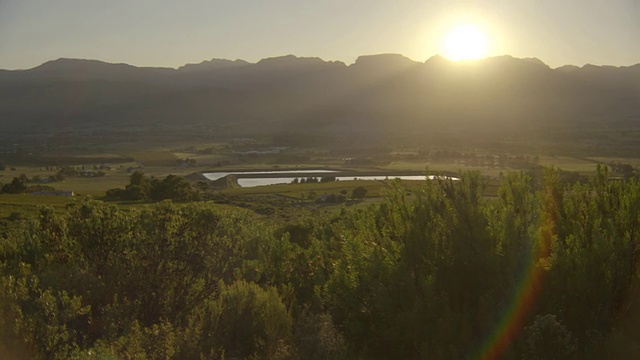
<point>219,175</point>
<point>252,182</point>
<point>262,181</point>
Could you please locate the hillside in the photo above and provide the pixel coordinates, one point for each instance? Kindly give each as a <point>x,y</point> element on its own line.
<point>377,93</point>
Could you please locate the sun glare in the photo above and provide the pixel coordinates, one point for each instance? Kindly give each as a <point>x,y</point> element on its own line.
<point>465,42</point>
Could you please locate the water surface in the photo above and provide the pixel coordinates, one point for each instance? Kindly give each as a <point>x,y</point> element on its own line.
<point>253,182</point>
<point>219,175</point>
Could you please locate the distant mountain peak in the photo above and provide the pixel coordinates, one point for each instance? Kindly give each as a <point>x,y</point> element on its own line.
<point>567,68</point>
<point>214,64</point>
<point>75,64</point>
<point>289,59</point>
<point>72,62</point>
<point>69,69</point>
<point>294,62</point>
<point>384,59</point>
<point>437,60</point>
<point>383,64</point>
<point>535,60</point>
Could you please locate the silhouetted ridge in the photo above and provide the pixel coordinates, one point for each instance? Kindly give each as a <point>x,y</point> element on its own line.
<point>291,62</point>
<point>385,92</point>
<point>384,61</point>
<point>437,59</point>
<point>214,64</point>
<point>567,68</point>
<point>64,69</point>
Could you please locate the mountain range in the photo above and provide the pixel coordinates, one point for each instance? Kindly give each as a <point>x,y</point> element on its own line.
<point>376,93</point>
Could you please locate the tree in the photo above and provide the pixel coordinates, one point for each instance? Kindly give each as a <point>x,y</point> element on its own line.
<point>16,186</point>
<point>246,321</point>
<point>359,193</point>
<point>171,187</point>
<point>317,338</point>
<point>202,186</point>
<point>139,187</point>
<point>115,193</point>
<point>136,192</point>
<point>548,339</point>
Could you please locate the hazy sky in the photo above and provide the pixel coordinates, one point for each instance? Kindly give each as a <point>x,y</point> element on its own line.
<point>173,33</point>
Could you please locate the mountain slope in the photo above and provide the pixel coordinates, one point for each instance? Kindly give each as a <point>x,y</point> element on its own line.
<point>376,93</point>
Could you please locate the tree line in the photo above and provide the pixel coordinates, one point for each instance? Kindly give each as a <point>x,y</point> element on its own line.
<point>435,275</point>
<point>142,187</point>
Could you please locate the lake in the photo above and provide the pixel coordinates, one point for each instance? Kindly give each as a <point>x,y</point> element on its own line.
<point>254,181</point>
<point>219,175</point>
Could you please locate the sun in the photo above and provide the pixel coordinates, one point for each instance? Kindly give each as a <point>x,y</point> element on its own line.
<point>465,42</point>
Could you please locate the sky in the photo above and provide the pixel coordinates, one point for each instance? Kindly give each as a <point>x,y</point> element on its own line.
<point>173,33</point>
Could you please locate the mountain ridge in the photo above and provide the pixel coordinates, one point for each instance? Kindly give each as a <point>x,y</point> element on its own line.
<point>239,62</point>
<point>376,92</point>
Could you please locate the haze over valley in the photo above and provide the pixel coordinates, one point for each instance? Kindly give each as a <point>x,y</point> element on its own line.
<point>376,98</point>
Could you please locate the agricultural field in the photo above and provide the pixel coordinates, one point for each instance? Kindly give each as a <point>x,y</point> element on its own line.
<point>188,159</point>
<point>20,206</point>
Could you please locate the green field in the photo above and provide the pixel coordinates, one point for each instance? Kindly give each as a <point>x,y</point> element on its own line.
<point>297,191</point>
<point>159,160</point>
<point>571,163</point>
<point>26,205</point>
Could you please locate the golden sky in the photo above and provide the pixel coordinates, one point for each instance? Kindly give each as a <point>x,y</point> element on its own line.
<point>173,33</point>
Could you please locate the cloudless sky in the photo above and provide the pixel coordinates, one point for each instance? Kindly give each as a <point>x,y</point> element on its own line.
<point>172,33</point>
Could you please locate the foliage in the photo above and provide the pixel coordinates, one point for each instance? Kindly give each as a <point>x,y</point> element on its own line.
<point>359,192</point>
<point>141,187</point>
<point>39,188</point>
<point>548,339</point>
<point>245,320</point>
<point>430,274</point>
<point>16,186</point>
